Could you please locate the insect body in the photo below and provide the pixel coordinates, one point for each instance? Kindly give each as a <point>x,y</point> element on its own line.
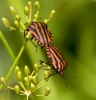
<point>55,57</point>
<point>40,33</point>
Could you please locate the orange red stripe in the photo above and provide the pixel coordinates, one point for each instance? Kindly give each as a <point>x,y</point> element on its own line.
<point>40,33</point>
<point>56,59</point>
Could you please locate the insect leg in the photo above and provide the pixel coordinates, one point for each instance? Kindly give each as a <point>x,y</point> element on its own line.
<point>41,62</point>
<point>33,44</point>
<point>51,75</point>
<point>42,47</point>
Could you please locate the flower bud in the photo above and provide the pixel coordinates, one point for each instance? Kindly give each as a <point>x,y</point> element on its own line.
<point>37,5</point>
<point>18,18</point>
<point>47,91</point>
<point>29,4</point>
<point>26,81</point>
<point>36,16</point>
<point>49,70</point>
<point>30,77</point>
<point>17,69</point>
<point>17,89</point>
<point>18,75</point>
<point>26,70</point>
<point>26,11</point>
<point>34,20</point>
<point>4,81</point>
<point>34,79</point>
<point>36,68</point>
<point>6,22</point>
<point>40,66</point>
<point>46,74</point>
<point>33,88</point>
<point>28,22</point>
<point>27,34</point>
<point>17,24</point>
<point>14,11</point>
<point>46,21</point>
<point>51,13</point>
<point>50,16</point>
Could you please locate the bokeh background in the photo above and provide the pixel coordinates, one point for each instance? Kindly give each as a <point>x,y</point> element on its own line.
<point>74,30</point>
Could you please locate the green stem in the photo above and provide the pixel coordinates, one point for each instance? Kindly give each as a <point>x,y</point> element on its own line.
<point>15,62</point>
<point>23,87</point>
<point>40,95</point>
<point>41,84</point>
<point>23,26</point>
<point>7,45</point>
<point>30,7</point>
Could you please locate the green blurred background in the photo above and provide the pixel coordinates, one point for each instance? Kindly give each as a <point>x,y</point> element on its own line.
<point>74,33</point>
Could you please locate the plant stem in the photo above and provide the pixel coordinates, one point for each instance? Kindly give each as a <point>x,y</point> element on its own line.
<point>15,62</point>
<point>7,46</point>
<point>23,26</point>
<point>41,84</point>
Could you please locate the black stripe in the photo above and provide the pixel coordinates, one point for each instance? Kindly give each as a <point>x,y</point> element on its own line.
<point>58,61</point>
<point>56,53</point>
<point>41,33</point>
<point>34,30</point>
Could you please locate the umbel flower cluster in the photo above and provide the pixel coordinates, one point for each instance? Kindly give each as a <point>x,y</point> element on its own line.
<point>28,12</point>
<point>28,85</point>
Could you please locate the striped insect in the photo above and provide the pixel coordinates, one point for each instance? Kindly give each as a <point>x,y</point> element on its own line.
<point>40,33</point>
<point>56,59</point>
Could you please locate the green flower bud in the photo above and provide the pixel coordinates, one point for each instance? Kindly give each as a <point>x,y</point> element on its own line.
<point>17,89</point>
<point>6,22</point>
<point>17,24</point>
<point>27,82</point>
<point>49,70</point>
<point>34,20</point>
<point>29,4</point>
<point>26,70</point>
<point>41,66</point>
<point>37,5</point>
<point>36,16</point>
<point>17,69</point>
<point>33,88</point>
<point>46,74</point>
<point>27,35</point>
<point>18,18</point>
<point>50,16</point>
<point>28,22</point>
<point>14,11</point>
<point>46,21</point>
<point>30,77</point>
<point>18,75</point>
<point>4,81</point>
<point>34,79</point>
<point>36,68</point>
<point>51,13</point>
<point>47,91</point>
<point>26,11</point>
